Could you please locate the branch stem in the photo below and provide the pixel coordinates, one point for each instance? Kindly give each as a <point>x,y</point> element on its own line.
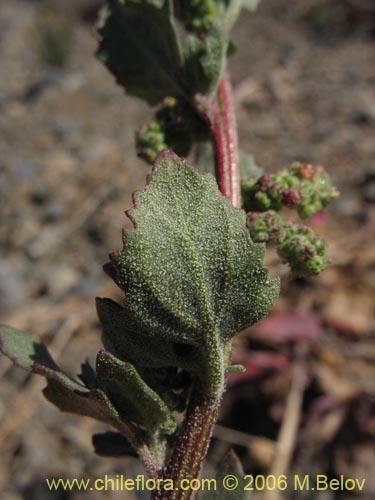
<point>225,100</point>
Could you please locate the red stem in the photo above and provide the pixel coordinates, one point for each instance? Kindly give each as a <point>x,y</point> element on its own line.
<point>189,452</point>
<point>220,149</point>
<point>220,117</point>
<point>225,99</point>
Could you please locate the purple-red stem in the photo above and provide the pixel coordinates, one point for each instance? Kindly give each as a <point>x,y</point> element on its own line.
<point>191,448</point>
<point>225,99</point>
<point>220,117</point>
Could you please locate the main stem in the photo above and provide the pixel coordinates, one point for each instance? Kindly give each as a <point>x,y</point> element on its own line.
<point>191,447</point>
<point>220,116</point>
<point>195,435</point>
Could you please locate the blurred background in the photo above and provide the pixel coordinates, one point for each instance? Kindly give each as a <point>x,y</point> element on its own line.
<point>304,90</point>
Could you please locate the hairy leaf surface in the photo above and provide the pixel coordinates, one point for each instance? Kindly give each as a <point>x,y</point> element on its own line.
<point>204,61</point>
<point>132,396</point>
<point>191,273</point>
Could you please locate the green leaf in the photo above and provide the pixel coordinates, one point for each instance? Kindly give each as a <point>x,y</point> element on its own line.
<point>137,402</point>
<point>139,44</point>
<point>24,350</point>
<point>29,353</point>
<point>230,466</point>
<point>204,61</point>
<point>123,337</point>
<point>191,273</point>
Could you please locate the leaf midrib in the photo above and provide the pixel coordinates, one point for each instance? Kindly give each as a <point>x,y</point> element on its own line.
<point>197,270</point>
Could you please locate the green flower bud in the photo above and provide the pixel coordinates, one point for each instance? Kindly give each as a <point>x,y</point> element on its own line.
<point>265,227</point>
<point>176,126</point>
<point>150,140</point>
<point>198,15</point>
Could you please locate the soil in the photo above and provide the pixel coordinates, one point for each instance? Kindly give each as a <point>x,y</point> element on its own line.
<point>303,80</point>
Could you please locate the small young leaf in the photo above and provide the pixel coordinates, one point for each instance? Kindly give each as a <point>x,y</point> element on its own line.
<point>231,468</point>
<point>189,268</point>
<point>200,15</point>
<point>137,402</point>
<point>176,126</point>
<point>204,60</point>
<point>87,375</point>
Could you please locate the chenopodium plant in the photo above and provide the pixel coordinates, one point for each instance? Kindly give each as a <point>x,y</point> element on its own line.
<point>192,267</point>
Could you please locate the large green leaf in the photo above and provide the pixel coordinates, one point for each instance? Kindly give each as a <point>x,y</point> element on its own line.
<point>141,47</point>
<point>191,273</point>
<point>139,44</point>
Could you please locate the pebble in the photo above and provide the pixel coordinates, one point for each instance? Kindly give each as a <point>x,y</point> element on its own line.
<point>12,289</point>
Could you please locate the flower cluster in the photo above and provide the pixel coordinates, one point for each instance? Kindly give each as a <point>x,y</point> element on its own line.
<point>296,244</point>
<point>198,15</point>
<point>301,187</point>
<point>176,126</point>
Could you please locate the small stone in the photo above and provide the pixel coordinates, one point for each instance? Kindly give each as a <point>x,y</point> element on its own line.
<point>12,290</point>
<point>54,212</point>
